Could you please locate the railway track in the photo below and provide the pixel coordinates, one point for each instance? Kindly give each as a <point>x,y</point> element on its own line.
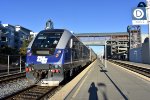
<point>33,92</point>
<point>7,78</point>
<point>137,69</point>
<point>4,71</point>
<point>11,69</point>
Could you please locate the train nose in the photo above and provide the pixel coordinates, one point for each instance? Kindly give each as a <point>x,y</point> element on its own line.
<point>40,74</point>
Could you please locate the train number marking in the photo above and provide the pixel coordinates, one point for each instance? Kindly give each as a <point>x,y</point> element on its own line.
<point>42,59</point>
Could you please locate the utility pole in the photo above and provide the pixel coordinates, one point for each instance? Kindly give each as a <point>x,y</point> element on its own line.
<point>105,54</point>
<point>148,19</point>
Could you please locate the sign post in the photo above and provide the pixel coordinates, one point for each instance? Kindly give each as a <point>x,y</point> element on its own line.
<point>139,16</point>
<point>105,53</point>
<point>148,17</point>
<point>8,65</point>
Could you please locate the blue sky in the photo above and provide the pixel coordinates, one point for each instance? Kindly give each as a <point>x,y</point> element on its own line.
<point>75,15</point>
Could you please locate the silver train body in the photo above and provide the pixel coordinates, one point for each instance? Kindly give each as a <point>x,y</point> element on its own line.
<point>54,55</point>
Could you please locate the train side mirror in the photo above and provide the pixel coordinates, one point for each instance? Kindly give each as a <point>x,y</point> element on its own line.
<point>71,43</point>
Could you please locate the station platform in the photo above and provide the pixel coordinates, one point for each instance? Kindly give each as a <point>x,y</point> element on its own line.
<point>147,66</point>
<point>111,83</point>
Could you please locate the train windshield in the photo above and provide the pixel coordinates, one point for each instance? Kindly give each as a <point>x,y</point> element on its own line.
<point>46,41</point>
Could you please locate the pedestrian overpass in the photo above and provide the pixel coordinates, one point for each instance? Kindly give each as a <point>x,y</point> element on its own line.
<point>117,43</point>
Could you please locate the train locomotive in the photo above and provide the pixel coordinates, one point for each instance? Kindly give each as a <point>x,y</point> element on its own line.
<point>53,55</point>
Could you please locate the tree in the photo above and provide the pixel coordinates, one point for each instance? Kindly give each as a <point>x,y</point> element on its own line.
<point>22,50</point>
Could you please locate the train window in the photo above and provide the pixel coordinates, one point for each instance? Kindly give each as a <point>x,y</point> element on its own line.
<point>41,37</point>
<point>47,40</point>
<point>75,49</point>
<point>68,44</point>
<point>68,51</point>
<point>81,50</point>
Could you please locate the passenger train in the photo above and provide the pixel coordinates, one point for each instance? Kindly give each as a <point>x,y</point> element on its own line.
<point>53,55</point>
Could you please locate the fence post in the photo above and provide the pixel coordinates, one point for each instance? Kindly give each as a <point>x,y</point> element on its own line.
<point>20,63</point>
<point>8,64</point>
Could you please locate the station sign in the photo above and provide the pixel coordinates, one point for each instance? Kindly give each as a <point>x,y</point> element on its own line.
<point>148,3</point>
<point>139,16</point>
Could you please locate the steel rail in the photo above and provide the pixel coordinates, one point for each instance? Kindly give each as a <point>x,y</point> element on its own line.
<point>33,92</point>
<point>11,77</point>
<point>137,69</point>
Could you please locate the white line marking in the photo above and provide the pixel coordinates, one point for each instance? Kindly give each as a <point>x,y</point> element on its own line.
<point>140,75</point>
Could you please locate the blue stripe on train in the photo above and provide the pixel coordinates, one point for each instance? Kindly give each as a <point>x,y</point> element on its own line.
<point>32,59</point>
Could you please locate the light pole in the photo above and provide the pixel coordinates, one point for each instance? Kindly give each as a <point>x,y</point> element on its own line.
<point>105,54</point>
<point>20,64</point>
<point>101,56</point>
<point>148,19</point>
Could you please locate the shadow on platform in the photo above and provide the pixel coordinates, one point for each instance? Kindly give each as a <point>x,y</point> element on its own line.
<point>93,92</point>
<point>103,90</point>
<point>123,95</point>
<point>102,69</point>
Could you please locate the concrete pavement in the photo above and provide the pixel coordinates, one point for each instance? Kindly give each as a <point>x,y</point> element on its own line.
<point>113,83</point>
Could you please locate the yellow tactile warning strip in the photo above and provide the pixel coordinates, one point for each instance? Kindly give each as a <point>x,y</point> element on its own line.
<point>142,76</point>
<point>61,94</point>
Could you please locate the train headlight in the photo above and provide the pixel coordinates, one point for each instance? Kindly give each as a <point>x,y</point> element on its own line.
<point>53,70</point>
<point>57,70</point>
<point>27,69</point>
<point>29,53</point>
<point>58,53</point>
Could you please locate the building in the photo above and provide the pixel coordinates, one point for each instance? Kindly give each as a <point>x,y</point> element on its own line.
<point>33,34</point>
<point>21,34</point>
<point>13,36</point>
<point>117,43</point>
<point>117,47</point>
<point>7,33</point>
<point>141,54</point>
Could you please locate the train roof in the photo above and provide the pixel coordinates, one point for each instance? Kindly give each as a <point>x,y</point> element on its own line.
<point>63,40</point>
<point>53,30</point>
